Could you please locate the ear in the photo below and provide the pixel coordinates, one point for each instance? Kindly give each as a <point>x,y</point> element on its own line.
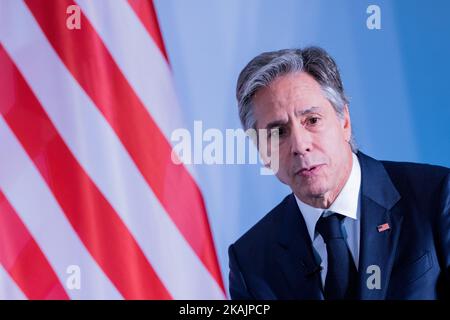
<point>347,124</point>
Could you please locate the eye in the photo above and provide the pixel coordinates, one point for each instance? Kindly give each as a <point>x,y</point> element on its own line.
<point>277,132</point>
<point>313,120</point>
<point>281,131</point>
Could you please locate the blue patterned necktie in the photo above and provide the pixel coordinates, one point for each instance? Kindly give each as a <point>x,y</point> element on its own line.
<point>340,281</point>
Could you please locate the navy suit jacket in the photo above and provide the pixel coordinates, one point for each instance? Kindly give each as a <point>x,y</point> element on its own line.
<point>274,259</point>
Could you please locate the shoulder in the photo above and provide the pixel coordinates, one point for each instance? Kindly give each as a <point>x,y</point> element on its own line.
<point>265,230</point>
<point>404,176</point>
<point>420,185</point>
<point>416,176</point>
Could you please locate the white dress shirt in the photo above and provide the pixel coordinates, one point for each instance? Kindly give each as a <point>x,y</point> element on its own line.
<point>347,204</point>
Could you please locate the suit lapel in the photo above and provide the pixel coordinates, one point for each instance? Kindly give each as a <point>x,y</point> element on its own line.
<point>377,248</point>
<point>294,255</point>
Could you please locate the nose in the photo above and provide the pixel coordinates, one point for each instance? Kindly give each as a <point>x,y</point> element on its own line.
<point>301,140</point>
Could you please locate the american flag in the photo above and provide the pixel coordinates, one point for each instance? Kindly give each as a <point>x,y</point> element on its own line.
<point>383,227</point>
<point>86,177</point>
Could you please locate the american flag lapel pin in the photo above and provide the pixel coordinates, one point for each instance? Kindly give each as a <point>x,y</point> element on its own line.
<point>383,227</point>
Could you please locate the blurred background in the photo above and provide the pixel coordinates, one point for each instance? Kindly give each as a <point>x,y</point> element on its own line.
<point>91,206</point>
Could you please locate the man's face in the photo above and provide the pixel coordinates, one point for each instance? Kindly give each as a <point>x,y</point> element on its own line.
<point>314,154</point>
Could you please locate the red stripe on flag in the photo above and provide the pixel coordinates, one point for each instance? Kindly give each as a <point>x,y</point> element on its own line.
<point>89,61</point>
<point>95,221</point>
<point>145,10</point>
<point>19,251</point>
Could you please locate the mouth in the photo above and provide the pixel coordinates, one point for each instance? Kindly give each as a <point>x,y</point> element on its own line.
<point>309,171</point>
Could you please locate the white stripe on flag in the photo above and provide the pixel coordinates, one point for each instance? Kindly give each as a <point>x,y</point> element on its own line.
<point>28,193</point>
<point>8,288</point>
<point>101,154</point>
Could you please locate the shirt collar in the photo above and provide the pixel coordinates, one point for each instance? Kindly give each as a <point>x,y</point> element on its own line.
<point>345,204</point>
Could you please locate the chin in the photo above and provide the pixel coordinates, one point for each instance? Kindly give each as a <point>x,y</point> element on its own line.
<point>315,192</point>
<point>321,186</point>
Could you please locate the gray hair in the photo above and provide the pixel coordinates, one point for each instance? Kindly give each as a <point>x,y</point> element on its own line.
<point>262,70</point>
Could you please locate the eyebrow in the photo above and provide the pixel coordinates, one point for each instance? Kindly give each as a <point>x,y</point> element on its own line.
<point>308,111</point>
<point>277,123</point>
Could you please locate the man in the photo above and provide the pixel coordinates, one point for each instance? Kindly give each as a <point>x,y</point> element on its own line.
<point>354,227</point>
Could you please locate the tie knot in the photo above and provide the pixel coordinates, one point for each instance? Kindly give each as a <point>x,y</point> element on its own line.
<point>330,227</point>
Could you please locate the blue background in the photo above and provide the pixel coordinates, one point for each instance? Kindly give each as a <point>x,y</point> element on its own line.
<point>397,78</point>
